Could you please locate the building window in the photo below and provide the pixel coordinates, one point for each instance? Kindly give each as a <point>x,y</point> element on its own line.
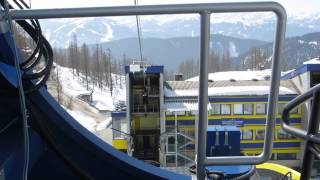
<point>283,135</point>
<point>281,107</point>
<point>243,109</point>
<point>171,144</point>
<point>259,134</point>
<point>246,134</point>
<point>225,109</point>
<point>169,113</point>
<point>170,128</point>
<point>215,109</point>
<point>286,156</point>
<point>119,126</point>
<point>238,109</point>
<point>189,113</point>
<point>171,160</point>
<point>247,109</point>
<point>261,109</point>
<point>180,113</point>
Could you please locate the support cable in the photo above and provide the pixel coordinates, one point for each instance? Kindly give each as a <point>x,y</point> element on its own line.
<point>139,32</point>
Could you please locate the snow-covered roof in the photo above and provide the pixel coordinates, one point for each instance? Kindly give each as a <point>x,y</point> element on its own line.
<point>313,61</point>
<point>225,88</point>
<point>183,106</point>
<point>236,75</point>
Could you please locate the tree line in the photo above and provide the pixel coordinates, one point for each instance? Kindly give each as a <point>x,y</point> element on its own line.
<point>93,65</point>
<point>257,59</point>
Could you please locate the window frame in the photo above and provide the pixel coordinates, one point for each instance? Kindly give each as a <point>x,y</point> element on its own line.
<point>213,109</point>
<point>256,132</point>
<point>252,109</point>
<point>229,105</point>
<point>242,132</point>
<point>174,149</point>
<point>265,109</point>
<point>234,109</point>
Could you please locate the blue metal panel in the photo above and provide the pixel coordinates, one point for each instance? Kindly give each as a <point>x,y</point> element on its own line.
<point>242,121</point>
<point>302,69</point>
<point>249,99</point>
<point>6,48</point>
<point>231,171</point>
<point>236,98</point>
<point>149,69</point>
<point>9,73</point>
<point>224,147</point>
<point>275,145</point>
<point>232,121</point>
<point>119,114</point>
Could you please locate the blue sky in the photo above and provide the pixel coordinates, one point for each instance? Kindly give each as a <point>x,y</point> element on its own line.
<point>292,6</point>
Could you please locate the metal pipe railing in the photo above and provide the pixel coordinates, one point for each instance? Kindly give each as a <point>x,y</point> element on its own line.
<point>204,10</point>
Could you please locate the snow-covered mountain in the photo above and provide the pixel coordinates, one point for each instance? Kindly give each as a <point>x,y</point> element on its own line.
<point>258,26</point>
<point>170,52</point>
<point>297,50</point>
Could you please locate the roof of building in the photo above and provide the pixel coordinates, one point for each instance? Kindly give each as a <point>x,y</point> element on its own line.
<point>226,88</point>
<point>312,65</point>
<point>237,75</point>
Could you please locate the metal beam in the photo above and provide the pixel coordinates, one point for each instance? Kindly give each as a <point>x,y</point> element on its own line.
<point>148,10</point>
<point>203,94</point>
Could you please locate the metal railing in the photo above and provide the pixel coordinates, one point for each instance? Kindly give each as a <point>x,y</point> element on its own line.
<point>204,10</point>
<point>311,135</point>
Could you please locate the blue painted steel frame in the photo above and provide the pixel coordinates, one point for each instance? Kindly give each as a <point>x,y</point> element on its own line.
<point>301,69</point>
<point>149,69</point>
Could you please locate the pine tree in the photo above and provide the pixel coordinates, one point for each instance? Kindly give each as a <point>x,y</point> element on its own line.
<point>85,62</point>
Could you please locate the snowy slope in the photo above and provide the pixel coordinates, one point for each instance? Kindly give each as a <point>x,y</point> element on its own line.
<point>86,121</point>
<point>88,117</point>
<point>102,99</point>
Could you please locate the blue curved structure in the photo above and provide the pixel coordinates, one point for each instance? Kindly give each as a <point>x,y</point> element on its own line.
<point>60,148</point>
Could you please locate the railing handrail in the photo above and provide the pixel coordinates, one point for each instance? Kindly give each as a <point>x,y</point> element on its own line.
<point>204,10</point>
<point>311,135</point>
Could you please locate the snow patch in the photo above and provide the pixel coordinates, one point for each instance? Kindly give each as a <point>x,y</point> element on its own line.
<point>108,35</point>
<point>313,43</point>
<point>103,125</point>
<point>86,121</point>
<point>233,50</point>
